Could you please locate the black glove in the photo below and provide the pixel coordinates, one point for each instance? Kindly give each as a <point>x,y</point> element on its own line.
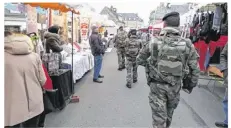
<point>188,87</point>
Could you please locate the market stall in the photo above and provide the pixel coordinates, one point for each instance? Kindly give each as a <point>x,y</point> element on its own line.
<point>62,78</point>
<point>209,34</point>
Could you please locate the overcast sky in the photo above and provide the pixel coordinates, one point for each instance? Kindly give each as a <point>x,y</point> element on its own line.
<point>142,8</point>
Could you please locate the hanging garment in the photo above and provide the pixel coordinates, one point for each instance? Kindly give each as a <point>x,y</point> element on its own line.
<point>217,18</point>
<point>215,59</point>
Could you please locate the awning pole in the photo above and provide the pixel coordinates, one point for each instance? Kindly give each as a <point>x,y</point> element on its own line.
<point>72,41</point>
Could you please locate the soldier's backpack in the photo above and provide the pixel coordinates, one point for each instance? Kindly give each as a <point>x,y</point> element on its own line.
<point>133,47</point>
<point>168,56</point>
<point>121,37</point>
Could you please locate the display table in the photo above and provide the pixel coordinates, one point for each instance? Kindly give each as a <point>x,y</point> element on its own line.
<point>83,62</point>
<point>62,81</point>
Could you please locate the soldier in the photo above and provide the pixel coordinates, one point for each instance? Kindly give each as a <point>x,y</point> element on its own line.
<point>120,46</point>
<point>168,58</point>
<point>132,48</point>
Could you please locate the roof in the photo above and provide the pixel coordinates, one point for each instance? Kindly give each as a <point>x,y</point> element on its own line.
<point>111,15</point>
<point>131,16</point>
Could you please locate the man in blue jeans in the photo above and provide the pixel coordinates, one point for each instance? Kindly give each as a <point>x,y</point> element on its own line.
<point>224,69</point>
<point>97,50</point>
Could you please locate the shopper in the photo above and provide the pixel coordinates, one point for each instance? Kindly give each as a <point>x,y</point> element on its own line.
<point>105,33</point>
<point>24,78</point>
<point>97,50</point>
<point>53,40</point>
<point>224,69</point>
<point>53,43</point>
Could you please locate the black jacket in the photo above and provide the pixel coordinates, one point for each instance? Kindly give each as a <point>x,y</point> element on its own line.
<point>96,44</point>
<point>53,42</point>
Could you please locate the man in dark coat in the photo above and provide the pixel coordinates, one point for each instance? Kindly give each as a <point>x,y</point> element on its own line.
<point>97,50</point>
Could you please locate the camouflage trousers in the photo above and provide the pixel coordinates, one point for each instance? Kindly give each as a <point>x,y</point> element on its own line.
<point>163,99</point>
<point>121,57</point>
<point>131,67</point>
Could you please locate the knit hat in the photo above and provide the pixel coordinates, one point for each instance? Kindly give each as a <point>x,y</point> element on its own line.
<point>93,28</point>
<point>54,29</point>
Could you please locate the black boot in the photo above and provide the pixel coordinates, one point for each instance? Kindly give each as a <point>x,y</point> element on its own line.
<point>221,125</point>
<point>101,76</point>
<point>134,80</point>
<point>129,85</point>
<point>97,81</point>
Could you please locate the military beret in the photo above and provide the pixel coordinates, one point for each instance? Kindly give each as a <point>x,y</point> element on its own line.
<point>174,14</point>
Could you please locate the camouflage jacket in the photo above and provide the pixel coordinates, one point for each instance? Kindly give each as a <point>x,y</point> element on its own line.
<point>144,58</point>
<point>120,39</point>
<point>132,47</point>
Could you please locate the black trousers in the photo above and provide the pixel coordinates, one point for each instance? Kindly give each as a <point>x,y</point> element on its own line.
<point>35,122</point>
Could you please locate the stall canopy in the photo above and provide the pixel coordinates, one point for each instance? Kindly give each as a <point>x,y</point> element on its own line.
<point>54,6</point>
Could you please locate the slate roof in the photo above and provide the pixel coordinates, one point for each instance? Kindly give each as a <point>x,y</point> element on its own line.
<point>130,17</point>
<point>112,15</point>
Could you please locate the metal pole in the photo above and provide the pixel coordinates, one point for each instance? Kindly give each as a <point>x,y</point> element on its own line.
<point>72,41</point>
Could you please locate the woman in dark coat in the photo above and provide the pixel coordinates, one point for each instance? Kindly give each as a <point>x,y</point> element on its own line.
<point>53,40</point>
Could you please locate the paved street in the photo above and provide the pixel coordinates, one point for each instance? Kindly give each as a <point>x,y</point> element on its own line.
<point>111,104</point>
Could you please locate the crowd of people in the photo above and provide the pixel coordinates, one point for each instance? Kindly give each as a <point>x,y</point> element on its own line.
<point>170,61</point>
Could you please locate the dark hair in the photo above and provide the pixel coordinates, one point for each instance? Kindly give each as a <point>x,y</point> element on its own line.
<point>7,33</point>
<point>172,21</point>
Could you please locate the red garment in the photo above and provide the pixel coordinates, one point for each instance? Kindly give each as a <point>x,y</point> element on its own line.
<point>220,43</point>
<point>48,85</point>
<point>201,46</point>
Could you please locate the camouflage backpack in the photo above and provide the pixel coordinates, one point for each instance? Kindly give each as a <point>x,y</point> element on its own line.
<point>133,46</point>
<point>168,58</point>
<point>121,37</point>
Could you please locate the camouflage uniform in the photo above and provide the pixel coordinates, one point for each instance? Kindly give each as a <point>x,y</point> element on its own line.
<point>164,89</point>
<point>120,46</point>
<point>132,48</point>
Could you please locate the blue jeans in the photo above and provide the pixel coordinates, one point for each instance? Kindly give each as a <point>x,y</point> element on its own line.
<point>225,103</point>
<point>97,65</point>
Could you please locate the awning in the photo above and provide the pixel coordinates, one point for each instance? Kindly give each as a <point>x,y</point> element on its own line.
<point>54,6</point>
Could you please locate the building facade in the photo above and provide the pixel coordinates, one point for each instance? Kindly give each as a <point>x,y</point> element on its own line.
<point>164,8</point>
<point>112,14</point>
<point>132,20</point>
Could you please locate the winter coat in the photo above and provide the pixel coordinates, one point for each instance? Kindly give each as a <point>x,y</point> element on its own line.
<point>24,77</point>
<point>53,42</point>
<point>96,44</point>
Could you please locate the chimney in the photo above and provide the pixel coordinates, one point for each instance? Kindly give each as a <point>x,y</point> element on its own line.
<point>111,8</point>
<point>115,10</point>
